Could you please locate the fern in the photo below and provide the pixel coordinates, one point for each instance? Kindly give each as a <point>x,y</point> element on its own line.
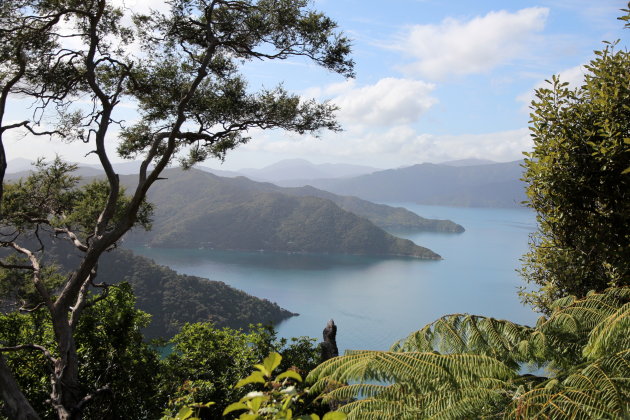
<point>463,333</point>
<point>467,366</point>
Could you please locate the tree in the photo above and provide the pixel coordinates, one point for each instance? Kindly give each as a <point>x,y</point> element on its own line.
<point>206,362</point>
<point>578,178</point>
<point>190,97</point>
<point>112,356</point>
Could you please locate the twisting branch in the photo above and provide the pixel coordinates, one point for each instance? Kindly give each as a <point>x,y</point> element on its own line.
<point>82,300</point>
<point>29,310</point>
<point>35,347</point>
<point>73,238</point>
<point>36,268</point>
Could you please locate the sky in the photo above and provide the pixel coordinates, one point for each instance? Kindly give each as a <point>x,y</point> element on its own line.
<point>435,81</point>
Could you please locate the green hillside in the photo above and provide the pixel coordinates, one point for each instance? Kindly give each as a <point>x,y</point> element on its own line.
<point>386,217</point>
<point>175,299</point>
<point>197,209</point>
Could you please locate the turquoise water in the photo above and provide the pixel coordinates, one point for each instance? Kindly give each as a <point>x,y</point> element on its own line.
<point>376,301</point>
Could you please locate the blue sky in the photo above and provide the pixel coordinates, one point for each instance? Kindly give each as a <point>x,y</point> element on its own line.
<point>436,80</point>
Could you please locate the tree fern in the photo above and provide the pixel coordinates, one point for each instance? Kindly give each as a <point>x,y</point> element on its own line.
<point>463,333</point>
<point>467,366</point>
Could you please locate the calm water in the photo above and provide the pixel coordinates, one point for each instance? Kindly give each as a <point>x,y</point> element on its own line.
<point>376,301</point>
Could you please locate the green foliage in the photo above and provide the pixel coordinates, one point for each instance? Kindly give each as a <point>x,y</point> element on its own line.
<point>48,193</point>
<point>279,397</point>
<point>52,195</point>
<point>277,400</point>
<point>579,184</point>
<point>113,358</point>
<point>463,366</point>
<point>17,289</point>
<point>206,362</point>
<point>31,367</point>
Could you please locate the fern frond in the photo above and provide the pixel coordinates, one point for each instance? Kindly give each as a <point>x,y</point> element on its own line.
<point>599,390</point>
<point>466,366</point>
<point>610,335</point>
<point>371,409</point>
<point>463,333</point>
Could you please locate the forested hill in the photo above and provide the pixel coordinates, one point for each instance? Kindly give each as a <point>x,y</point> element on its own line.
<point>486,185</point>
<point>386,217</point>
<point>174,299</point>
<point>198,209</point>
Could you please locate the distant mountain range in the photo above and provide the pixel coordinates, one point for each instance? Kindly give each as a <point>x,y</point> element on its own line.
<point>465,182</point>
<point>302,169</point>
<point>283,170</point>
<point>486,185</point>
<point>240,214</point>
<point>468,162</point>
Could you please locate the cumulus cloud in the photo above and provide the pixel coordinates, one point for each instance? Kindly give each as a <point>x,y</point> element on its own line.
<point>389,101</point>
<point>474,46</point>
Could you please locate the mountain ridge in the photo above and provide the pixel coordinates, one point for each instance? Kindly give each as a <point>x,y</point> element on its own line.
<point>486,185</point>
<point>240,214</point>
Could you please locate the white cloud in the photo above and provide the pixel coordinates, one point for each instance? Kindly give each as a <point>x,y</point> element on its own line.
<point>393,147</point>
<point>328,91</point>
<point>389,101</point>
<point>574,76</point>
<point>474,46</point>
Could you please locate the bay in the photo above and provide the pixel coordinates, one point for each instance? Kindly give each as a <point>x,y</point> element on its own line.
<point>376,301</point>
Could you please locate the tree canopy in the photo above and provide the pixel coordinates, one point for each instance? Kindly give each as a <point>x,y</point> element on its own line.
<point>77,61</point>
<point>578,178</point>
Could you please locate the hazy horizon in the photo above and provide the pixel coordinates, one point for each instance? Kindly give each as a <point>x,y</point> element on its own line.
<point>436,82</point>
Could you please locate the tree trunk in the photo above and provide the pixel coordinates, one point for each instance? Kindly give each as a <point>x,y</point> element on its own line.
<point>66,392</point>
<point>16,406</point>
<point>328,347</point>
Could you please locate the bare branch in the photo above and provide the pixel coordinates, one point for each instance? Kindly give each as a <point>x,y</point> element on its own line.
<point>35,347</point>
<point>85,400</point>
<point>36,268</point>
<point>29,310</point>
<point>73,237</point>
